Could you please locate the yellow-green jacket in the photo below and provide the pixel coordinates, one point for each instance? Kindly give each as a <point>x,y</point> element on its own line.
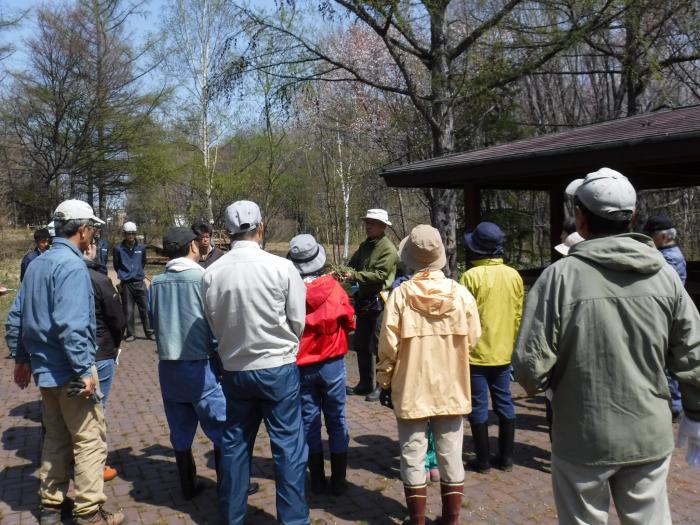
<point>498,290</point>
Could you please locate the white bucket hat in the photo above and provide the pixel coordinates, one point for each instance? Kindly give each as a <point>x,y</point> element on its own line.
<point>571,240</point>
<point>378,215</point>
<point>307,255</point>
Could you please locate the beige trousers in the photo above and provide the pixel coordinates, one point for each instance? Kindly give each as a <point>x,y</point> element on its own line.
<point>582,493</point>
<point>413,440</point>
<point>75,428</point>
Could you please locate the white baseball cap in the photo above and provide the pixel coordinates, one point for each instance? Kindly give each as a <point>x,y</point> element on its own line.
<point>74,209</point>
<point>129,227</point>
<point>378,215</point>
<point>243,216</point>
<point>607,193</point>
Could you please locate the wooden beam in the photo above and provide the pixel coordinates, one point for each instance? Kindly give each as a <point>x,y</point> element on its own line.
<point>556,219</point>
<point>472,205</point>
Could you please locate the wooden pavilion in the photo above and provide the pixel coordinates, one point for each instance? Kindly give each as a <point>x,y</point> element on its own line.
<point>657,150</point>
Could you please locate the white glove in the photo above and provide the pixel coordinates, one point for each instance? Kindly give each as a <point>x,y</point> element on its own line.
<point>690,430</point>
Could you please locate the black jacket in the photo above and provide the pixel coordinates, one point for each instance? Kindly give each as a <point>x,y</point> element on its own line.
<point>108,313</point>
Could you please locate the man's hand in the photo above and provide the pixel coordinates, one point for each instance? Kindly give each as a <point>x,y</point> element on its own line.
<point>689,430</point>
<point>23,373</point>
<point>385,398</point>
<point>81,386</point>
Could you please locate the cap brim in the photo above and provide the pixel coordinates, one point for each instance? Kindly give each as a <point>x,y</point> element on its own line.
<point>97,220</point>
<point>573,187</point>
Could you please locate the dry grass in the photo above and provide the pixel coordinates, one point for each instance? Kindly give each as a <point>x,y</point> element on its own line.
<point>14,243</point>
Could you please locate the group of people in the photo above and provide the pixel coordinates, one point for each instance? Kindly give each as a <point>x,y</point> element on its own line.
<point>246,337</point>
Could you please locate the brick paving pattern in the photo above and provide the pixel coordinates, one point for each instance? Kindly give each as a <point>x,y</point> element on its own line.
<point>148,490</point>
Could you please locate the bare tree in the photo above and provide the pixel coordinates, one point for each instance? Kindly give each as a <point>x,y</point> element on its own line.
<point>194,34</point>
<point>438,54</point>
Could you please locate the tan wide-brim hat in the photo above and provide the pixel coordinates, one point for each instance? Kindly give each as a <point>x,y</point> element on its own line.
<point>423,249</point>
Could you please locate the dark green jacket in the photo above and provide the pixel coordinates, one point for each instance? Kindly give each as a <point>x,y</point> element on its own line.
<point>374,263</point>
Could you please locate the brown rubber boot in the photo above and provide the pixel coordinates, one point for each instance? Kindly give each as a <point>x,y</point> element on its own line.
<point>416,498</point>
<point>451,494</point>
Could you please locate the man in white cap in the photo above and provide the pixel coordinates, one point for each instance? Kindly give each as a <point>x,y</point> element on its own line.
<point>129,258</point>
<point>599,327</point>
<point>57,346</point>
<point>374,269</point>
<point>255,303</point>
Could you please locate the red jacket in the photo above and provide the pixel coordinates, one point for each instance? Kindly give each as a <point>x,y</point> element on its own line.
<point>329,318</point>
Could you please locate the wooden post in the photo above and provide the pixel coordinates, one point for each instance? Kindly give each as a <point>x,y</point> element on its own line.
<point>472,205</point>
<point>556,218</point>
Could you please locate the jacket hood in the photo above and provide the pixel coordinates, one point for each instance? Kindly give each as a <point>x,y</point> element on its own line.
<point>317,292</point>
<point>181,264</point>
<point>430,294</point>
<point>629,252</point>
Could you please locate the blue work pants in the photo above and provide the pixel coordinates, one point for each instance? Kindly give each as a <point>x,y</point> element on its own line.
<point>496,380</point>
<point>323,389</point>
<point>270,395</point>
<point>192,395</point>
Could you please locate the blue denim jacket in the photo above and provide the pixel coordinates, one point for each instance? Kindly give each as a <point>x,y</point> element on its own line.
<point>102,255</point>
<point>55,308</point>
<point>129,263</point>
<point>674,257</point>
<point>177,314</point>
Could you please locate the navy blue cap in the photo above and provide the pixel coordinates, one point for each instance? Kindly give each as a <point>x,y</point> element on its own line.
<point>658,223</point>
<point>486,239</point>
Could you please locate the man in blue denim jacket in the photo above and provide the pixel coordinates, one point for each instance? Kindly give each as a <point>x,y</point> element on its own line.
<point>56,343</point>
<point>189,379</point>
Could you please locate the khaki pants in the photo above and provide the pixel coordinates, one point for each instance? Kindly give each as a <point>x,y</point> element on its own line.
<point>582,493</point>
<point>75,428</point>
<point>413,440</point>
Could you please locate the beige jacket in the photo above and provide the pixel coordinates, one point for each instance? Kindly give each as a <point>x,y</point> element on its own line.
<point>430,325</point>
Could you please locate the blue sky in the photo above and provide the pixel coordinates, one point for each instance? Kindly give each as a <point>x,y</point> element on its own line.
<point>140,24</point>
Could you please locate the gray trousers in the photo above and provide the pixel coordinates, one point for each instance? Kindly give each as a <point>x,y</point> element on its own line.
<point>582,493</point>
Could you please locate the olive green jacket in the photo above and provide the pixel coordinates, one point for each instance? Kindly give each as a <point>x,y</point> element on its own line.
<point>599,328</point>
<point>374,264</point>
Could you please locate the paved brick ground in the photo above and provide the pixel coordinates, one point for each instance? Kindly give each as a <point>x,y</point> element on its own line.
<point>147,488</point>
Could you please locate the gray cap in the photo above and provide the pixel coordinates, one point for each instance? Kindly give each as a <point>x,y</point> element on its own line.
<point>242,216</point>
<point>607,193</point>
<point>308,256</point>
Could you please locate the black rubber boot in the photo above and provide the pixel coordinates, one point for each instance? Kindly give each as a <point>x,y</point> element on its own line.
<point>317,473</point>
<point>506,439</point>
<point>374,395</point>
<point>339,466</point>
<point>480,434</point>
<point>188,473</point>
<point>365,365</point>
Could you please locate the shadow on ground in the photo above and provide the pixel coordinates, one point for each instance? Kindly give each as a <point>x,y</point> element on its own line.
<point>155,481</point>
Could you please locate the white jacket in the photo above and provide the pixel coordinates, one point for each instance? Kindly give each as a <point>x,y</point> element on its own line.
<point>256,305</point>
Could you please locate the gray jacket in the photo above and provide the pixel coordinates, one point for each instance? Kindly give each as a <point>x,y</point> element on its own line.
<point>599,327</point>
